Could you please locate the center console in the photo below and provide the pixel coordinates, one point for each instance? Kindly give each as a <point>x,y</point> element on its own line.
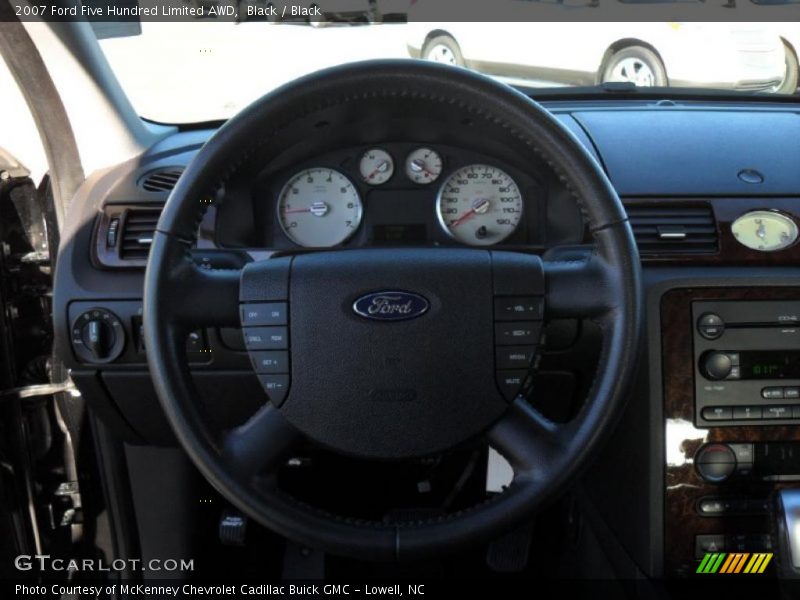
<point>731,364</point>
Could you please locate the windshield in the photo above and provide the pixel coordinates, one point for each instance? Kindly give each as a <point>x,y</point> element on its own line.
<point>204,69</point>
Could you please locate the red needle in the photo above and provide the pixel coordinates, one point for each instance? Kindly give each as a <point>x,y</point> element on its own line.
<point>479,204</point>
<point>381,167</point>
<point>463,218</point>
<point>296,210</point>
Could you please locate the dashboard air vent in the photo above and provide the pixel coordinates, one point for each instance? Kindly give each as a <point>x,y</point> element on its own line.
<point>161,180</point>
<point>138,227</point>
<point>661,228</point>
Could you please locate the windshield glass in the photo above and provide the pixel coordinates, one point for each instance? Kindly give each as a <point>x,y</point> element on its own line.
<point>204,69</point>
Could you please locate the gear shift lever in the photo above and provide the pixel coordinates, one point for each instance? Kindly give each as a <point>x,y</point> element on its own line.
<point>788,533</point>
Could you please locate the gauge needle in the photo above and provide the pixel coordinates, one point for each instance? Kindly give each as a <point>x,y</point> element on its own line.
<point>381,168</point>
<point>318,209</point>
<point>418,165</point>
<point>480,206</point>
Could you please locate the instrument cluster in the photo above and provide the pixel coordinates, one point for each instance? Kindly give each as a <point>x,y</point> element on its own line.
<point>400,193</point>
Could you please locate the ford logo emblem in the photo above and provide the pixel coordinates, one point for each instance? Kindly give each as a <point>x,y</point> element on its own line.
<point>391,305</point>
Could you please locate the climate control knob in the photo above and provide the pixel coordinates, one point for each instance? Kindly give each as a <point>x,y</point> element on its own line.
<point>715,463</point>
<point>717,365</point>
<point>98,336</point>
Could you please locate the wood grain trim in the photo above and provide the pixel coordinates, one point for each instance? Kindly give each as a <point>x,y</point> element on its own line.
<point>682,486</point>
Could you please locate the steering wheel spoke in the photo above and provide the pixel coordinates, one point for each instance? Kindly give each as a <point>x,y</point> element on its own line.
<point>260,445</point>
<point>527,439</point>
<point>582,287</point>
<point>198,297</point>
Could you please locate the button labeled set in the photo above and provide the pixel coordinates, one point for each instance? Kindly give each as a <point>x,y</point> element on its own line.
<point>265,327</point>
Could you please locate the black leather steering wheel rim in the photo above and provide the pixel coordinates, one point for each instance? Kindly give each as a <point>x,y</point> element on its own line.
<point>179,296</point>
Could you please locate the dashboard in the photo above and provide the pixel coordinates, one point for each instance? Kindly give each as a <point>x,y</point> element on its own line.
<point>712,191</point>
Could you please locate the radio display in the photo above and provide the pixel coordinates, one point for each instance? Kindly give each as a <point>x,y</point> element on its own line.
<point>770,364</point>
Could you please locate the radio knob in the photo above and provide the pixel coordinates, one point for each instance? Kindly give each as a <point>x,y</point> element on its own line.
<point>710,326</point>
<point>715,463</point>
<point>717,365</point>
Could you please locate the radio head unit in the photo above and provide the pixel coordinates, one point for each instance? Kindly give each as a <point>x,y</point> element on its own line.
<point>746,362</point>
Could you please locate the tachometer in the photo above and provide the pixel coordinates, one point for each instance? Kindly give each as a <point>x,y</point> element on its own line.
<point>479,205</point>
<point>319,207</point>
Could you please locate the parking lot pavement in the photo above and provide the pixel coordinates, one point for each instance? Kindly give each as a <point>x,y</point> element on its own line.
<point>188,72</point>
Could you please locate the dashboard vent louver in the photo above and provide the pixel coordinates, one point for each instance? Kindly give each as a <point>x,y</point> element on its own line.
<point>661,228</point>
<point>138,228</point>
<point>161,180</point>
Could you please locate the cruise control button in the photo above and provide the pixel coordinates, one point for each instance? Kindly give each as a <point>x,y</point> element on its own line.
<point>266,338</point>
<point>276,386</point>
<point>515,357</point>
<point>510,382</point>
<point>276,361</point>
<point>518,309</point>
<point>520,333</point>
<point>746,412</point>
<point>267,313</point>
<point>717,413</point>
<point>777,412</point>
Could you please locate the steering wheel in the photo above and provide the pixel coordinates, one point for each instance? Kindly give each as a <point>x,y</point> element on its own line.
<point>420,379</point>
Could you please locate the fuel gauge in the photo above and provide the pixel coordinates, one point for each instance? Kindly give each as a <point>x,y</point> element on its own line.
<point>376,166</point>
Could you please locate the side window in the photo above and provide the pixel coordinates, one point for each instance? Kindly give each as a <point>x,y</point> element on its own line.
<point>19,137</point>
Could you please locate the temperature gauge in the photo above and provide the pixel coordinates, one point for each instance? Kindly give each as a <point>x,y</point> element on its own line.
<point>376,166</point>
<point>423,165</point>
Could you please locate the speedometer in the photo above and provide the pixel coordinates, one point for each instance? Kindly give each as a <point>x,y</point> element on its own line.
<point>479,205</point>
<point>319,207</point>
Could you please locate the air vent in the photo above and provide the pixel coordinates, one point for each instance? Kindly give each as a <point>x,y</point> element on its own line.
<point>161,180</point>
<point>661,228</point>
<point>138,228</point>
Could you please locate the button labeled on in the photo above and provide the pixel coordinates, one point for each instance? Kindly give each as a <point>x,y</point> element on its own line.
<point>264,313</point>
<point>276,386</point>
<point>266,338</point>
<point>276,361</point>
<point>521,333</point>
<point>519,308</point>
